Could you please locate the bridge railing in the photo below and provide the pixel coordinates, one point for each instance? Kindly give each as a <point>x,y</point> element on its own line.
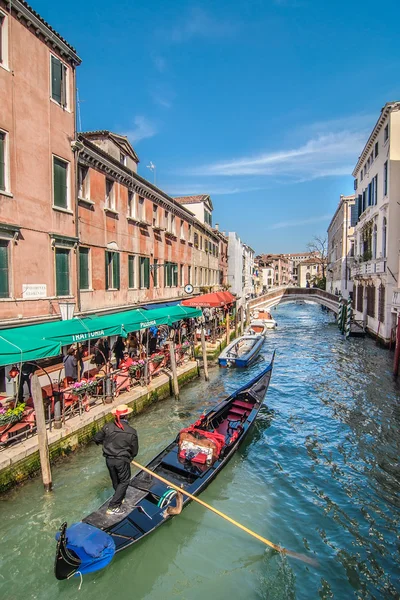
<point>293,291</point>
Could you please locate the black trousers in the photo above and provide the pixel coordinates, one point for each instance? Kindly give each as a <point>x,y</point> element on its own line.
<point>120,473</point>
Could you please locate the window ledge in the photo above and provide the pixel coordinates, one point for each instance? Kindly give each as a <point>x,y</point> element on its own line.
<point>86,201</point>
<point>63,210</point>
<point>132,219</point>
<point>88,290</point>
<point>182,239</point>
<point>144,223</point>
<point>112,290</point>
<point>7,194</point>
<point>110,210</point>
<point>158,228</point>
<point>65,108</point>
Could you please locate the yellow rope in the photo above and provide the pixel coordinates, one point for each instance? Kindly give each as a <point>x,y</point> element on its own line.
<point>224,516</point>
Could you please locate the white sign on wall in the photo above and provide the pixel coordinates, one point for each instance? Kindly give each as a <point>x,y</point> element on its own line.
<point>34,290</point>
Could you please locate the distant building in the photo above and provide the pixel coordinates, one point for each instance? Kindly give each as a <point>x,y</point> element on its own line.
<point>222,257</point>
<point>294,261</point>
<point>309,271</point>
<point>340,249</point>
<point>280,266</point>
<point>205,261</point>
<point>376,218</point>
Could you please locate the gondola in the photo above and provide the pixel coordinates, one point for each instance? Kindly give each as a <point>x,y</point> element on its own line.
<point>241,352</point>
<point>191,462</point>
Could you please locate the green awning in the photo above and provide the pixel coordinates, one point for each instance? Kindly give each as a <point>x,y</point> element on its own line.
<point>17,347</point>
<point>41,341</point>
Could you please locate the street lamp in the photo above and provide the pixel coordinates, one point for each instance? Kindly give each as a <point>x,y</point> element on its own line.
<point>152,167</point>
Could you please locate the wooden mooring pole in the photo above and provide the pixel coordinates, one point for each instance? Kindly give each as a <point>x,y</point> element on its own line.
<point>42,432</point>
<point>204,351</point>
<point>173,368</point>
<point>397,350</point>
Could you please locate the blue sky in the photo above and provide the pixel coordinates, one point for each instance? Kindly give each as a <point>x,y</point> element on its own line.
<point>263,104</point>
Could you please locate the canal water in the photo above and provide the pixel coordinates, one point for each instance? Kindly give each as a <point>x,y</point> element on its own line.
<point>319,475</point>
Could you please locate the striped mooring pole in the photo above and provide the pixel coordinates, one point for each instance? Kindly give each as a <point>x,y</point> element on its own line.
<point>348,317</point>
<point>344,313</point>
<point>339,314</point>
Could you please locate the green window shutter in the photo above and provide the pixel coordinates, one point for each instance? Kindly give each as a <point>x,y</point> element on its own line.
<point>116,270</point>
<point>108,260</point>
<point>56,79</point>
<point>141,272</point>
<point>175,274</point>
<point>131,271</point>
<point>147,273</point>
<point>60,183</point>
<point>155,273</point>
<point>83,268</point>
<point>4,284</point>
<point>62,272</point>
<point>2,162</point>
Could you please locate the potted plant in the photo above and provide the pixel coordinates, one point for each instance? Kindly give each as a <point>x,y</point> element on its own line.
<point>11,415</point>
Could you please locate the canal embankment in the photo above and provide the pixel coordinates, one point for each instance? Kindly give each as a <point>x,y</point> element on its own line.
<point>21,461</point>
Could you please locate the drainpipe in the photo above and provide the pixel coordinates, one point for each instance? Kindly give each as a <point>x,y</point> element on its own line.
<point>77,151</point>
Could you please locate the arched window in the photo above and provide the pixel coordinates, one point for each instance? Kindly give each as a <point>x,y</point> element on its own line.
<point>374,241</point>
<point>384,228</point>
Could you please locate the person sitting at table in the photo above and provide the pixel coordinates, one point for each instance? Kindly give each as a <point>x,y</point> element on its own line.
<point>119,349</point>
<point>126,361</point>
<point>153,343</point>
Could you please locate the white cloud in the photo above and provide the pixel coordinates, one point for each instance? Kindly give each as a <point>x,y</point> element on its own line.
<point>200,24</point>
<point>326,154</point>
<point>298,222</point>
<point>160,63</point>
<point>143,129</point>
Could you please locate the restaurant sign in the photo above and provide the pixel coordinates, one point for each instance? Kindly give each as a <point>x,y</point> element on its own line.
<point>82,337</point>
<point>147,324</point>
<point>34,290</point>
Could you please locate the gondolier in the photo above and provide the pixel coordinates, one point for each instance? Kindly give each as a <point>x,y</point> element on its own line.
<point>120,446</point>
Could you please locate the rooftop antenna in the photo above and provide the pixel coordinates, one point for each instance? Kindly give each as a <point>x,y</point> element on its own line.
<point>78,106</point>
<point>152,167</point>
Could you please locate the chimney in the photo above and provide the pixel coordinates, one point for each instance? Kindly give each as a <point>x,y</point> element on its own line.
<point>217,226</point>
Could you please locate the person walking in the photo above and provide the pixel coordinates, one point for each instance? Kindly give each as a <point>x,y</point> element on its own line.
<point>120,446</point>
<point>118,349</point>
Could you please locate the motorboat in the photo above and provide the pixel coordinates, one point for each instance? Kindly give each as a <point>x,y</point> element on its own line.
<point>266,317</point>
<point>256,327</point>
<point>242,351</point>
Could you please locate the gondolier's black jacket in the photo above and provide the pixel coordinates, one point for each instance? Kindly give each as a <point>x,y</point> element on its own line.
<point>117,443</point>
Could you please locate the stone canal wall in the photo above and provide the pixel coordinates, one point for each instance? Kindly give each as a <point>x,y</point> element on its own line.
<point>20,462</point>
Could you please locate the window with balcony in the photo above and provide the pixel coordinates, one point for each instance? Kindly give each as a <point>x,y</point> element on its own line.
<point>4,269</point>
<point>59,75</point>
<point>60,183</point>
<point>62,258</point>
<point>112,271</point>
<point>84,269</point>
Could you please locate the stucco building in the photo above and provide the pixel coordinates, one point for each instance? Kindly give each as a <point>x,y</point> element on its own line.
<point>222,257</point>
<point>376,218</point>
<point>38,224</point>
<point>205,258</point>
<point>340,249</point>
<point>280,266</point>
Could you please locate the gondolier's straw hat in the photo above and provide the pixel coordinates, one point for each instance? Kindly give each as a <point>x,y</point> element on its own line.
<point>122,410</point>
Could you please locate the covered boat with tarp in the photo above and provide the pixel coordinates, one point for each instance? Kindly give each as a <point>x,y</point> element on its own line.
<point>190,462</point>
<point>242,351</point>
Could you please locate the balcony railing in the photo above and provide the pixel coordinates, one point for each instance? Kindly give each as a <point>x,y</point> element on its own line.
<point>370,267</point>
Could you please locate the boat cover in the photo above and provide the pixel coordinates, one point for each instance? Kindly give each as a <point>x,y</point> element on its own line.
<point>94,547</point>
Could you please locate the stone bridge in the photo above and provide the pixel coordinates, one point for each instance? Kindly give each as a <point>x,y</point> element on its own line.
<point>292,294</point>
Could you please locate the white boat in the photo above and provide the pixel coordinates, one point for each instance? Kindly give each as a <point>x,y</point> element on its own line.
<point>265,317</point>
<point>256,327</point>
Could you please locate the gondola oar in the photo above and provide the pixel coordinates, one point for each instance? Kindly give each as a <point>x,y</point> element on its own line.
<point>302,557</point>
